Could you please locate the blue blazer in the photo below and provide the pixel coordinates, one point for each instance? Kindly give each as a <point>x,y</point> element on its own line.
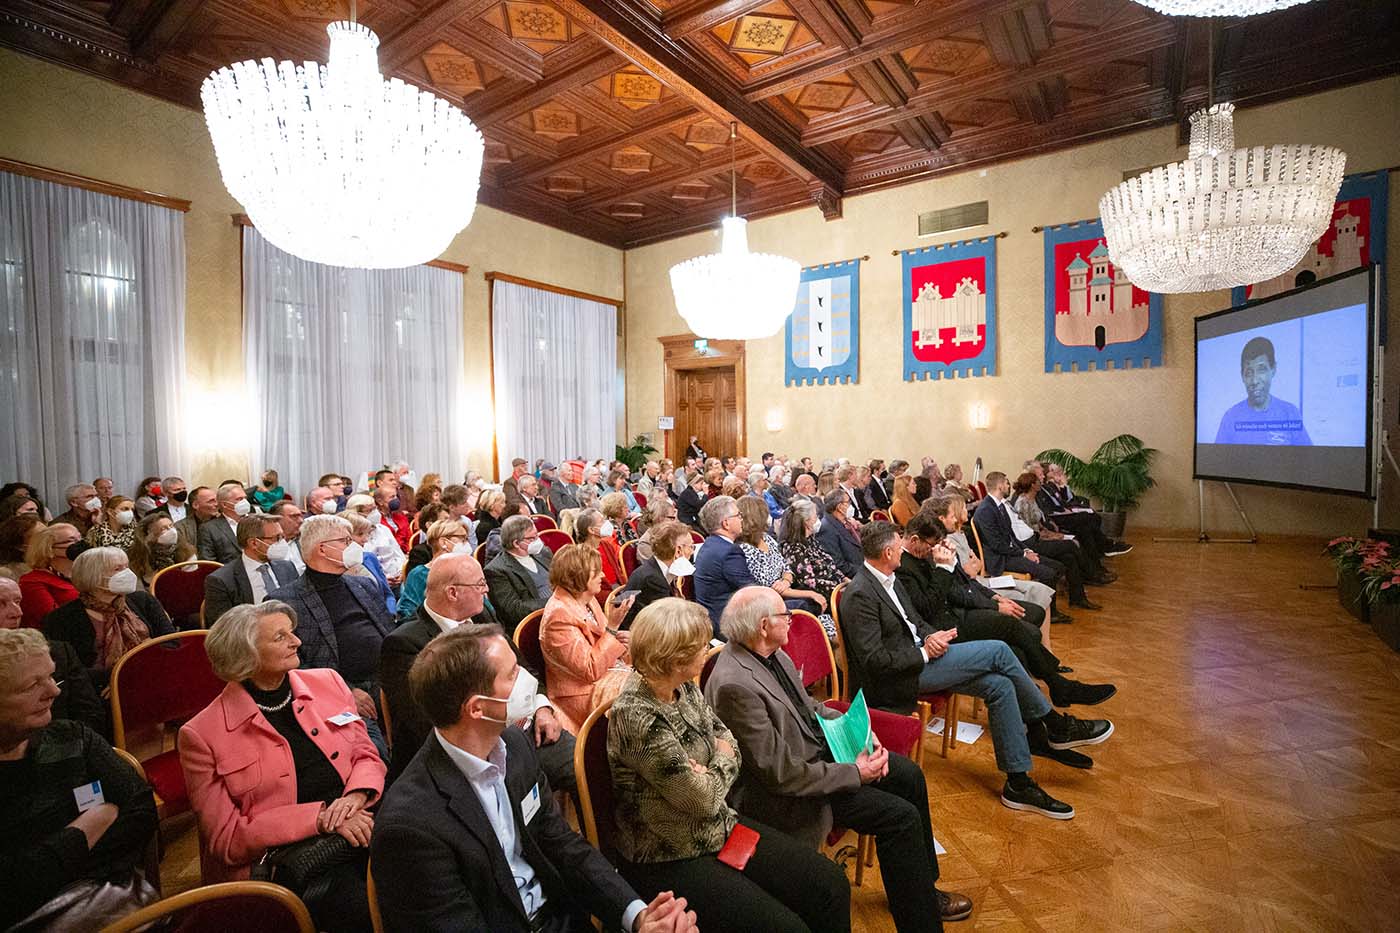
<point>843,546</point>
<point>994,529</point>
<point>316,628</point>
<point>720,569</point>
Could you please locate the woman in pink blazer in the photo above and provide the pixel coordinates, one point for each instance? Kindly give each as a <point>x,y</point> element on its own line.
<point>279,757</point>
<point>580,644</point>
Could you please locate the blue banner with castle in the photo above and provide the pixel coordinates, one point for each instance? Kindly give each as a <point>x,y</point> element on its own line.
<point>823,331</point>
<point>1093,315</point>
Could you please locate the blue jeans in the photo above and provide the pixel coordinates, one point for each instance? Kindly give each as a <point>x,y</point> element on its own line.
<point>989,670</point>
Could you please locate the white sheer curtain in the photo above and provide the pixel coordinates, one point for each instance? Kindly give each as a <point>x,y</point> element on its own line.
<point>556,375</point>
<point>350,369</point>
<point>92,336</point>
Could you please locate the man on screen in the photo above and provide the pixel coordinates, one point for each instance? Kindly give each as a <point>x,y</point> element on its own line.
<point>1261,418</point>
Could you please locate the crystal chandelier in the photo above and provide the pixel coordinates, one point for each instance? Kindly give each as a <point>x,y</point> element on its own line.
<point>1218,7</point>
<point>336,165</point>
<point>735,294</point>
<point>1225,216</point>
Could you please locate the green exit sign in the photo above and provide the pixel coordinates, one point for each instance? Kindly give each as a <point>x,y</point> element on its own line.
<point>702,345</point>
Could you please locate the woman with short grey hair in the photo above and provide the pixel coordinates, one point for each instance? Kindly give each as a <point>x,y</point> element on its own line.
<point>111,615</point>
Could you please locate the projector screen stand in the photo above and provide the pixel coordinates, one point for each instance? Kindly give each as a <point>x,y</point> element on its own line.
<point>1204,537</point>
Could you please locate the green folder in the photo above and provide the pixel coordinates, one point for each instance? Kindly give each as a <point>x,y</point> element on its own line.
<point>849,734</point>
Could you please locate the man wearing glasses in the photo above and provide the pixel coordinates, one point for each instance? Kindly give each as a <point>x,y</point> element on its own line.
<point>519,575</point>
<point>261,567</point>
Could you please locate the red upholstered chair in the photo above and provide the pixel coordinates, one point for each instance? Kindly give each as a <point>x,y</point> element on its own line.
<point>981,489</point>
<point>544,523</point>
<point>218,908</point>
<point>480,554</point>
<point>179,589</point>
<point>879,515</point>
<point>527,639</point>
<point>630,560</point>
<point>595,787</point>
<point>164,680</point>
<point>555,539</point>
<point>641,499</point>
<point>810,651</point>
<point>711,657</point>
<point>697,537</point>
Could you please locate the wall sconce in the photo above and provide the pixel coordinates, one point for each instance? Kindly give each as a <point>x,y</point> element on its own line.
<point>774,421</point>
<point>980,414</point>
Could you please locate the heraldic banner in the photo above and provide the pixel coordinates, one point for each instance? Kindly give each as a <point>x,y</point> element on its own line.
<point>1093,315</point>
<point>1355,238</point>
<point>950,310</point>
<point>823,331</point>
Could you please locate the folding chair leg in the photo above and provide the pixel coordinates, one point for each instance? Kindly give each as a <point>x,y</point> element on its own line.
<point>950,724</point>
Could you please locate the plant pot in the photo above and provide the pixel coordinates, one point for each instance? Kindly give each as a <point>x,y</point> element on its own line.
<point>1113,524</point>
<point>1349,595</point>
<point>1385,619</point>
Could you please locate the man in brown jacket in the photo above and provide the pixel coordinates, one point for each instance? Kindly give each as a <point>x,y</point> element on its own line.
<point>788,777</point>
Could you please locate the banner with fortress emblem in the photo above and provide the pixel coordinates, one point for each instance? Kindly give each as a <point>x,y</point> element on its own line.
<point>1355,236</point>
<point>823,331</point>
<point>950,310</point>
<point>1093,315</point>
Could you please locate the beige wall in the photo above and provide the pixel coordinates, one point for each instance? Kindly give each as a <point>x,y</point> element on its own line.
<point>61,119</point>
<point>1031,410</point>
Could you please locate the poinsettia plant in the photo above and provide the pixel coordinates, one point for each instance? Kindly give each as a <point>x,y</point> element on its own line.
<point>1373,563</point>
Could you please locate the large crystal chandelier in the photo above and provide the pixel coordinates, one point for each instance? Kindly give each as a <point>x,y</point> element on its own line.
<point>336,165</point>
<point>1218,7</point>
<point>735,294</point>
<point>1225,216</point>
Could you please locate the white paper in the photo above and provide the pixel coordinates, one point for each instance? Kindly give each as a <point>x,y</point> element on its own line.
<point>1066,537</point>
<point>1003,582</point>
<point>938,847</point>
<point>88,796</point>
<point>968,732</point>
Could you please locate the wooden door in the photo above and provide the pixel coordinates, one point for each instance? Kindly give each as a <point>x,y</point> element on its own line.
<point>706,406</point>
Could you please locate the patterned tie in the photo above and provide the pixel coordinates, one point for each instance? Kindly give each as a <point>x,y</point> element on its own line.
<point>269,582</point>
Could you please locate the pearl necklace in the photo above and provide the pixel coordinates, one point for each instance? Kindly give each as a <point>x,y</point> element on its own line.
<point>279,706</point>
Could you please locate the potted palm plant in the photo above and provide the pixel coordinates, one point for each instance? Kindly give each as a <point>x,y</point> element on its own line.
<point>1118,474</point>
<point>636,455</point>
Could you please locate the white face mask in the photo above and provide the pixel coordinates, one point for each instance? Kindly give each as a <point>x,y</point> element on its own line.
<point>125,517</point>
<point>521,702</point>
<point>123,582</point>
<point>606,529</point>
<point>279,550</point>
<point>353,555</point>
<point>461,547</point>
<point>241,507</point>
<point>168,538</point>
<point>535,546</point>
<point>93,504</point>
<point>328,507</point>
<point>681,567</point>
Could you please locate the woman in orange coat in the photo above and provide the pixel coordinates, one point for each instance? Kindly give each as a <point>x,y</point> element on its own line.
<point>903,507</point>
<point>585,653</point>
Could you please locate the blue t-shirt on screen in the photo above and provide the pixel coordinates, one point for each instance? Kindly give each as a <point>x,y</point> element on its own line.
<point>1280,424</point>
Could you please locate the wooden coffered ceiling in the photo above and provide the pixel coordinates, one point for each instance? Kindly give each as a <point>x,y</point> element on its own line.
<point>611,118</point>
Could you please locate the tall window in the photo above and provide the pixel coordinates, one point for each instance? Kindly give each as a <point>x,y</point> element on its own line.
<point>92,335</point>
<point>350,367</point>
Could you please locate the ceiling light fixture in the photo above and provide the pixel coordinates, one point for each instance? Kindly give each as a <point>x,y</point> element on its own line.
<point>1225,216</point>
<point>1218,7</point>
<point>735,294</point>
<point>336,165</point>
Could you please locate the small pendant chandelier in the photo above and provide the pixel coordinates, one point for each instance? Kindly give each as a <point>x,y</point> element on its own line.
<point>1225,216</point>
<point>735,294</point>
<point>336,165</point>
<point>1218,7</point>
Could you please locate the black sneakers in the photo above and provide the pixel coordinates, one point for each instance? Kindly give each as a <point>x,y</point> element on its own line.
<point>1065,731</point>
<point>1030,797</point>
<point>1064,692</point>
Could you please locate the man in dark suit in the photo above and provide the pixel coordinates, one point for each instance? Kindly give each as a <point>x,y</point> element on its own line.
<point>1004,552</point>
<point>871,490</point>
<point>519,575</point>
<point>469,837</point>
<point>261,569</point>
<point>660,575</point>
<point>455,596</point>
<point>720,568</point>
<point>204,507</point>
<point>563,493</point>
<point>1056,501</point>
<point>788,774</point>
<point>846,481</point>
<point>834,537</point>
<point>530,491</point>
<point>896,657</point>
<point>341,618</point>
<point>218,537</point>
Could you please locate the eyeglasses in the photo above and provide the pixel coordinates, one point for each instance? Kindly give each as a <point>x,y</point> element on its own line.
<point>474,584</point>
<point>785,614</point>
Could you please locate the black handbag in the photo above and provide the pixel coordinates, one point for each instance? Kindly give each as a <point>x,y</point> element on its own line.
<point>304,867</point>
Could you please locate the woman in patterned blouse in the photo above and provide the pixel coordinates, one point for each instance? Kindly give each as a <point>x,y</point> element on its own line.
<point>115,525</point>
<point>673,764</point>
<point>812,568</point>
<point>769,567</point>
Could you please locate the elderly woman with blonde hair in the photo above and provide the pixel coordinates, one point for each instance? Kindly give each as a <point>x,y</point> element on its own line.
<point>276,760</point>
<point>673,765</point>
<point>582,645</point>
<point>614,509</point>
<point>48,584</point>
<point>111,615</point>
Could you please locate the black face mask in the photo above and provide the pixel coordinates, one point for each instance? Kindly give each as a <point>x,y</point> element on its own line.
<point>76,548</point>
<point>179,497</point>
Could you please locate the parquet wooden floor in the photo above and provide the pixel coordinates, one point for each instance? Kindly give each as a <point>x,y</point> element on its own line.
<point>1252,783</point>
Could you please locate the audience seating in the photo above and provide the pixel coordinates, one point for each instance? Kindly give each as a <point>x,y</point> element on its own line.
<point>879,515</point>
<point>630,561</point>
<point>641,499</point>
<point>480,554</point>
<point>376,920</point>
<point>154,848</point>
<point>711,656</point>
<point>594,777</point>
<point>527,639</point>
<point>218,908</point>
<point>697,537</point>
<point>811,652</point>
<point>163,680</point>
<point>386,721</point>
<point>544,523</point>
<point>555,539</point>
<point>179,588</point>
<point>977,543</point>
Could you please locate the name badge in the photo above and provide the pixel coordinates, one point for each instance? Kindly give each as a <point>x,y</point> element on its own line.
<point>89,796</point>
<point>343,719</point>
<point>530,804</point>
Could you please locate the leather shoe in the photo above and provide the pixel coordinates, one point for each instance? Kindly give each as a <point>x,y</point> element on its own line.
<point>953,906</point>
<point>1065,692</point>
<point>1085,604</point>
<point>1061,618</point>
